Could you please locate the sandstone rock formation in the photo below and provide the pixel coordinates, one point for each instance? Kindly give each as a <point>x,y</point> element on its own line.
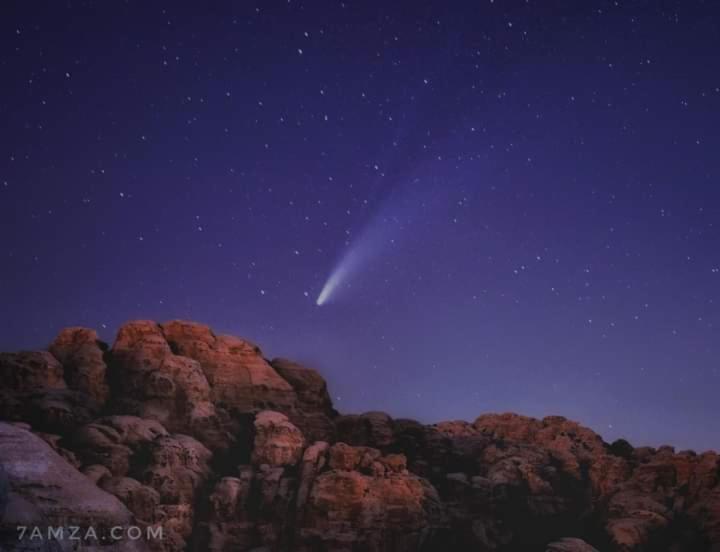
<point>82,355</point>
<point>42,490</point>
<point>240,378</point>
<point>277,441</point>
<point>177,427</point>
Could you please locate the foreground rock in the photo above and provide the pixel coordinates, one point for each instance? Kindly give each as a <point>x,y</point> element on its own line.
<point>177,427</point>
<point>42,490</point>
<point>158,475</point>
<point>343,498</point>
<point>82,355</point>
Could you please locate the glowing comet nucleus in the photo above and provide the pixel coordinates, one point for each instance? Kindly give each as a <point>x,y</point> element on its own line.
<point>348,263</point>
<point>328,288</point>
<point>383,233</point>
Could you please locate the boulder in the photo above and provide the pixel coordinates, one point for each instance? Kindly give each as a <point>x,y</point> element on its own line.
<point>178,467</point>
<point>277,441</point>
<point>82,355</point>
<point>43,490</point>
<point>313,412</point>
<point>350,510</point>
<point>153,382</point>
<point>240,378</point>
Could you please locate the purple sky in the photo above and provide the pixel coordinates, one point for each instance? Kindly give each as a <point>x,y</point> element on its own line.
<point>530,190</point>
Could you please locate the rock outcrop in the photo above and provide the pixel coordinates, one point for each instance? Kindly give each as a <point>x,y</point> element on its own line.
<point>175,427</point>
<point>41,490</point>
<point>82,355</point>
<point>239,377</point>
<point>312,409</point>
<point>277,441</point>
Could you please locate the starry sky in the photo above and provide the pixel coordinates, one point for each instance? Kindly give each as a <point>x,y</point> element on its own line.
<point>519,200</point>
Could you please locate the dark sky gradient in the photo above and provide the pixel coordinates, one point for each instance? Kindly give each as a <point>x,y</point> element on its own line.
<point>534,186</point>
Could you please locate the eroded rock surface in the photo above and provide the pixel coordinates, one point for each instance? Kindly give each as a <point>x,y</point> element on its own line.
<point>82,355</point>
<point>177,427</point>
<point>41,489</point>
<point>277,441</point>
<point>240,378</point>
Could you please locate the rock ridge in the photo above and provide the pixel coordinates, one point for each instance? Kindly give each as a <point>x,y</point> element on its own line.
<point>175,426</point>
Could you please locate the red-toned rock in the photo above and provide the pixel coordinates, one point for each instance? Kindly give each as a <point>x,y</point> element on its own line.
<point>112,441</point>
<point>508,425</point>
<point>573,445</point>
<point>277,441</point>
<point>153,382</point>
<point>144,335</point>
<point>239,376</point>
<point>456,428</point>
<point>149,370</point>
<point>637,521</point>
<point>81,353</point>
<point>313,461</point>
<point>395,463</point>
<point>352,511</point>
<point>607,473</point>
<point>178,468</point>
<point>348,458</point>
<point>570,545</point>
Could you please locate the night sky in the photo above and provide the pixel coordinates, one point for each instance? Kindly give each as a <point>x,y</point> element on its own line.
<point>515,205</point>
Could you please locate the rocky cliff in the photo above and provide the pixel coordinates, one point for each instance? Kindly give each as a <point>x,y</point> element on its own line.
<point>175,427</point>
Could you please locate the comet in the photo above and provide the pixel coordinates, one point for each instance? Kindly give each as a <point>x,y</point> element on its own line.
<point>336,277</point>
<point>383,231</point>
<point>356,257</point>
<point>416,199</point>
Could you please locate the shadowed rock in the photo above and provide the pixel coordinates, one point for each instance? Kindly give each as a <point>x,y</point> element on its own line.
<point>29,371</point>
<point>43,490</point>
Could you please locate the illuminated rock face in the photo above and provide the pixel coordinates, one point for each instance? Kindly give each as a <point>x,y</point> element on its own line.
<point>238,375</point>
<point>174,426</point>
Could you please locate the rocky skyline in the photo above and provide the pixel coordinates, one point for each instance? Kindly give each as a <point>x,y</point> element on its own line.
<point>176,427</point>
